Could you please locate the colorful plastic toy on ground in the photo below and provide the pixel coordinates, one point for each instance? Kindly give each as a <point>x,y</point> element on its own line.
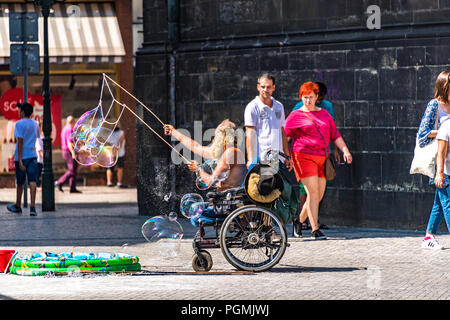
<point>39,264</point>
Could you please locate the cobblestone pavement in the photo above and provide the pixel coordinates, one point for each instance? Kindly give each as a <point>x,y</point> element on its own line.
<point>353,264</point>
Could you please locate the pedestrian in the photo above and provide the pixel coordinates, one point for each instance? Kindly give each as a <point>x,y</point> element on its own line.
<point>118,139</point>
<point>68,154</point>
<point>25,158</point>
<point>40,153</point>
<point>230,169</point>
<point>312,128</point>
<point>328,106</point>
<point>438,109</point>
<point>264,122</point>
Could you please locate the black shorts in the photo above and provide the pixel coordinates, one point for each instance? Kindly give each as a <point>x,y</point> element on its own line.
<point>119,164</point>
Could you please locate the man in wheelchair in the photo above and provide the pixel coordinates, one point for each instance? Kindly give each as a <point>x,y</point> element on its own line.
<point>229,169</point>
<point>262,182</point>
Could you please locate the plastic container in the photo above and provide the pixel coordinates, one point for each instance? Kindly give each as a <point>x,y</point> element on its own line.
<point>6,256</point>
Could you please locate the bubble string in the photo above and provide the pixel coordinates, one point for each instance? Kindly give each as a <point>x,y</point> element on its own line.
<point>148,126</point>
<point>109,78</point>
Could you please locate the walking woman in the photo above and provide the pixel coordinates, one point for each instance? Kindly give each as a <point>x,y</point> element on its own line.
<point>438,110</point>
<point>309,126</point>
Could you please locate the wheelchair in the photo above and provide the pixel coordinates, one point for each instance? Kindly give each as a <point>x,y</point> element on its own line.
<point>251,234</point>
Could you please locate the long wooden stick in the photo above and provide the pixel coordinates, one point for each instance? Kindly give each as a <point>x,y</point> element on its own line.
<point>129,109</point>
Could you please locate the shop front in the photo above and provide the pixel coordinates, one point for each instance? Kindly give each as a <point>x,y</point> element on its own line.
<point>85,42</point>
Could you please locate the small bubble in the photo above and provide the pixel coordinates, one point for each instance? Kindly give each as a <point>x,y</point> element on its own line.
<point>172,216</point>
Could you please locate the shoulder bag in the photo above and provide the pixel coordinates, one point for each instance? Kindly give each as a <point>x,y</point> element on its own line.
<point>330,166</point>
<point>424,161</point>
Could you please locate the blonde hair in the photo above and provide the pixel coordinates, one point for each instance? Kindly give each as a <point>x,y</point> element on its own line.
<point>224,138</point>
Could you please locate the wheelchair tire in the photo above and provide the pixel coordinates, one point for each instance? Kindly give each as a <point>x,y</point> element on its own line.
<point>252,238</point>
<point>196,263</point>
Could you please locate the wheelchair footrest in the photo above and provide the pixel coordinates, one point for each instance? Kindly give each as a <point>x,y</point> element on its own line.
<point>206,243</point>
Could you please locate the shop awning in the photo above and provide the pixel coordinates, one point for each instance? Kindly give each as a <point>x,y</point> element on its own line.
<point>78,33</point>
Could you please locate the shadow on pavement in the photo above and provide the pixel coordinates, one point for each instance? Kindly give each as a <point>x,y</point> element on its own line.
<point>300,269</point>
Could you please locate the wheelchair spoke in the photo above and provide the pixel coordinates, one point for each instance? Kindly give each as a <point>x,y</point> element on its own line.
<point>253,240</point>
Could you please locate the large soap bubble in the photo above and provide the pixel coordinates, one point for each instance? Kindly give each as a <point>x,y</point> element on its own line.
<point>165,232</point>
<point>94,140</point>
<point>187,202</point>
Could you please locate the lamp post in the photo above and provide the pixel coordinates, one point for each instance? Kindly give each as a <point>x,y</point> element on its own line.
<point>48,188</point>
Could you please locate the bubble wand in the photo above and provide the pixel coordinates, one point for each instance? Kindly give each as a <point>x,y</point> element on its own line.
<point>148,126</point>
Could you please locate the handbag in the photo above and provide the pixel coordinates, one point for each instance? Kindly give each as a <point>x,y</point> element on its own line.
<point>330,166</point>
<point>424,161</point>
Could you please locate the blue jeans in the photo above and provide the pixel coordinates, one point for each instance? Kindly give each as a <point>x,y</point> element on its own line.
<point>441,208</point>
<point>207,215</point>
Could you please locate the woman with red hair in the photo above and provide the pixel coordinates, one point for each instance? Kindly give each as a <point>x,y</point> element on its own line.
<point>312,128</point>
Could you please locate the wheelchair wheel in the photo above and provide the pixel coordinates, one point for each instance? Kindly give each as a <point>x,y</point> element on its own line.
<point>253,239</point>
<point>197,264</point>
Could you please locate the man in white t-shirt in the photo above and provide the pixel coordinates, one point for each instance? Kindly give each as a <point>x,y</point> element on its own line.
<point>264,122</point>
<point>25,158</point>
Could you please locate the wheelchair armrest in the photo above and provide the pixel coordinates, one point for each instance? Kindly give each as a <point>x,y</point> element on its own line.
<point>223,194</point>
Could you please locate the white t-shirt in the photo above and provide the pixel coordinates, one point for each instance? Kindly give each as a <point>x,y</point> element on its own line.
<point>115,140</point>
<point>268,123</point>
<point>444,134</point>
<point>443,116</point>
<point>28,129</point>
<point>39,147</point>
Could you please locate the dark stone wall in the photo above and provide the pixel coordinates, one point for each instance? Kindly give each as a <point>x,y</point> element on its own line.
<point>378,80</point>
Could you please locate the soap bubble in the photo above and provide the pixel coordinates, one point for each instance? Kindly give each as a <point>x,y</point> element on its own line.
<point>186,203</point>
<point>86,123</point>
<point>200,184</point>
<point>107,156</point>
<point>209,166</point>
<point>197,208</point>
<point>83,153</point>
<point>161,227</point>
<point>166,232</point>
<point>172,216</point>
<point>94,140</point>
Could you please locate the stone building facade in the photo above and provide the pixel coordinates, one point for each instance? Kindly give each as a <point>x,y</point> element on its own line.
<point>201,58</point>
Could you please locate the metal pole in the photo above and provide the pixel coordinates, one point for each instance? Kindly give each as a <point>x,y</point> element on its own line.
<point>25,87</point>
<point>173,8</point>
<point>25,57</point>
<point>48,188</point>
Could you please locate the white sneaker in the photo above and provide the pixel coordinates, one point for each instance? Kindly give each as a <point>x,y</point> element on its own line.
<point>431,243</point>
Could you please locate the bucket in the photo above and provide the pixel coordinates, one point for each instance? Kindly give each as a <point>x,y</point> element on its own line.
<point>6,256</point>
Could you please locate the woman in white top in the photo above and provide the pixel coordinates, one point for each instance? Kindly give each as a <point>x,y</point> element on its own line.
<point>40,153</point>
<point>438,108</point>
<point>117,138</point>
